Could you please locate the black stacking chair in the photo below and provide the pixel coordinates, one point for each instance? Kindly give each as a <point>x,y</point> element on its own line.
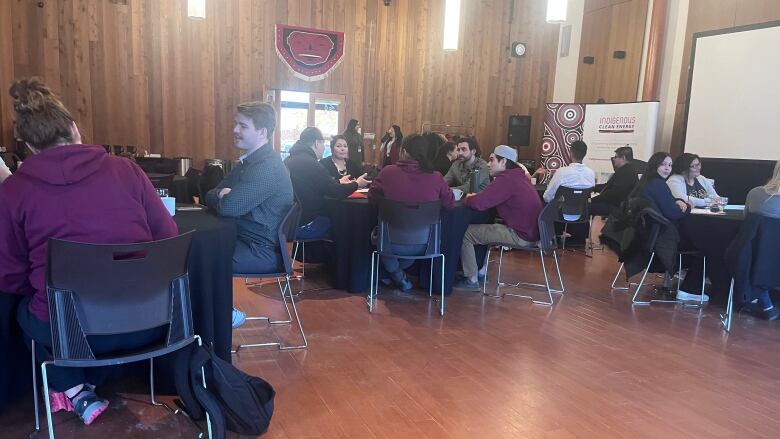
<point>286,233</point>
<point>547,244</point>
<point>574,202</point>
<point>103,290</point>
<point>408,223</point>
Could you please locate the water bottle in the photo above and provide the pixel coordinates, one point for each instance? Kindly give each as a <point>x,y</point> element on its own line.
<point>474,182</point>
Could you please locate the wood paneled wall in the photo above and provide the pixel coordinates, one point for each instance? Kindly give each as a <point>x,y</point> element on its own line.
<point>608,26</point>
<point>145,74</point>
<point>707,15</point>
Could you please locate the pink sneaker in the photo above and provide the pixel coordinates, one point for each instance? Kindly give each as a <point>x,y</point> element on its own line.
<point>58,401</point>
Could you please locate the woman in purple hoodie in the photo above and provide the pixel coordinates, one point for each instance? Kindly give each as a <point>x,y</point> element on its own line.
<point>74,192</point>
<point>411,178</point>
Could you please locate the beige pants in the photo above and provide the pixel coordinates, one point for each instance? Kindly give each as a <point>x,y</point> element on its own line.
<point>481,234</point>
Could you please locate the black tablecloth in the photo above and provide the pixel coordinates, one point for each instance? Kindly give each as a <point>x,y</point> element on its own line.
<point>211,276</point>
<point>211,292</point>
<point>711,235</point>
<point>352,221</point>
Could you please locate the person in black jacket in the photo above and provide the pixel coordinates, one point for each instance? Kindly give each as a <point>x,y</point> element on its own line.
<point>339,165</point>
<point>617,188</point>
<point>354,141</point>
<point>312,183</point>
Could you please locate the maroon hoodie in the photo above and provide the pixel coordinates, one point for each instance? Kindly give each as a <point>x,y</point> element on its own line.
<point>77,193</point>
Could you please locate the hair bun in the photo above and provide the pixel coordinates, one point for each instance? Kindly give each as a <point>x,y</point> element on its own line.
<point>30,95</point>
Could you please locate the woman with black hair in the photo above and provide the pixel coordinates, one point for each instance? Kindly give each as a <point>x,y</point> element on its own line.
<point>412,178</point>
<point>354,141</point>
<point>339,165</point>
<point>653,186</point>
<point>391,146</point>
<point>687,183</point>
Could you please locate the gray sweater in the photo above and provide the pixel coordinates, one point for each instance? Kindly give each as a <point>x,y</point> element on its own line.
<point>760,202</point>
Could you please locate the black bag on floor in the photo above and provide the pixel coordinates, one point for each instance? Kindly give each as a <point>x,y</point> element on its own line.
<point>233,399</point>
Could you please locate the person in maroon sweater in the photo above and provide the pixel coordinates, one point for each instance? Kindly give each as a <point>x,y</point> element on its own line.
<point>412,178</point>
<point>74,192</point>
<point>516,201</point>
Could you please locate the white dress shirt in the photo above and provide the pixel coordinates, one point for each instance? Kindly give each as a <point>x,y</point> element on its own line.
<point>575,176</point>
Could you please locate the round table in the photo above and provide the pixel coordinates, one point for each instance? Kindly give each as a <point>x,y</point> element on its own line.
<point>711,235</point>
<point>352,221</point>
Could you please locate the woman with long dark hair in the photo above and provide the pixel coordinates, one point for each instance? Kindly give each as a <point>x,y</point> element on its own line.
<point>412,178</point>
<point>389,151</point>
<point>339,165</point>
<point>354,141</point>
<point>653,186</point>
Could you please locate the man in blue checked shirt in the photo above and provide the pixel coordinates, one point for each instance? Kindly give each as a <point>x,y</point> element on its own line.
<point>257,192</point>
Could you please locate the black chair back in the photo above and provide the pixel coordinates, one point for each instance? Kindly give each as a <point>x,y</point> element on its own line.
<point>573,202</point>
<point>106,289</point>
<point>287,230</point>
<point>409,223</point>
<point>210,178</point>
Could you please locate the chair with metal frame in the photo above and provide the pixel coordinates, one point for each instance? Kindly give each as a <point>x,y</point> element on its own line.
<point>574,202</point>
<point>656,222</point>
<point>286,232</point>
<point>149,288</point>
<point>408,223</point>
<point>547,243</point>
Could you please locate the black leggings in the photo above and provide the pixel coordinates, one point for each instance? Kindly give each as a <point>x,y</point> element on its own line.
<point>63,378</point>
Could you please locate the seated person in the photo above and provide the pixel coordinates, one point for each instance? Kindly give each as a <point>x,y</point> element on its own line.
<point>311,184</point>
<point>516,201</point>
<point>468,161</point>
<point>412,178</point>
<point>619,185</point>
<point>765,200</point>
<point>444,157</point>
<point>574,176</point>
<point>653,186</point>
<point>339,165</point>
<point>257,192</point>
<point>70,191</point>
<point>687,183</point>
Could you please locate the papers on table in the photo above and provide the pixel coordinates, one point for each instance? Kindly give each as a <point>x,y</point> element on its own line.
<point>362,191</point>
<point>735,207</point>
<point>188,208</point>
<point>697,211</point>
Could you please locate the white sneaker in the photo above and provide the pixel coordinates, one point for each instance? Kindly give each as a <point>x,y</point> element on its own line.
<point>682,295</point>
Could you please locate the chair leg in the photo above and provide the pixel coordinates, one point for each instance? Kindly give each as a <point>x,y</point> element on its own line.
<point>372,287</point>
<point>430,282</point>
<point>285,290</point>
<point>563,237</point>
<point>203,382</point>
<point>45,378</point>
<point>725,319</point>
<point>152,399</point>
<point>35,387</point>
<point>441,285</point>
<point>558,270</point>
<point>614,281</point>
<point>641,282</point>
<point>487,271</point>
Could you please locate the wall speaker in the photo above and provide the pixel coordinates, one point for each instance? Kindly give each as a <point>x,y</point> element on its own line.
<point>519,132</point>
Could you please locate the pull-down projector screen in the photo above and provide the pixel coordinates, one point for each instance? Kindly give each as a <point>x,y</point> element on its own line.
<point>734,94</point>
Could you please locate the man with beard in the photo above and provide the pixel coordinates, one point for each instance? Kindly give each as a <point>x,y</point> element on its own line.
<point>460,173</point>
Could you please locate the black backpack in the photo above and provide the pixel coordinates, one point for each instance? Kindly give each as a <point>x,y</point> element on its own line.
<point>234,400</point>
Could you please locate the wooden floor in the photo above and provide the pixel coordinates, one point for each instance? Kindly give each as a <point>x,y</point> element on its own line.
<point>591,366</point>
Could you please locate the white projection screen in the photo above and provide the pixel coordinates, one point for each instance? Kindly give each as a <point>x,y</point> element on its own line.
<point>734,94</point>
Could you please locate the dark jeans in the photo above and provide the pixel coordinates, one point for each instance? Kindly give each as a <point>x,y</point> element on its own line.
<point>255,258</point>
<point>395,265</point>
<point>63,378</point>
<point>318,228</point>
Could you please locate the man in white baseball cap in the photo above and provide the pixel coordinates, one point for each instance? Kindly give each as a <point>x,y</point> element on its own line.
<point>516,201</point>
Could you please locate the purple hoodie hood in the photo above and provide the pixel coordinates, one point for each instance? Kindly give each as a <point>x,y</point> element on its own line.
<point>64,165</point>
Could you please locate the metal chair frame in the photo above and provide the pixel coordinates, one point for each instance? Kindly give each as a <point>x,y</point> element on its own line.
<point>644,275</point>
<point>550,291</point>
